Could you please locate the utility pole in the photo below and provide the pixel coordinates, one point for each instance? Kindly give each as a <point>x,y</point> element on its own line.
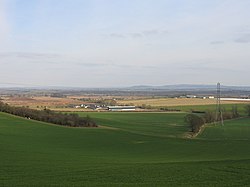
<point>218,114</point>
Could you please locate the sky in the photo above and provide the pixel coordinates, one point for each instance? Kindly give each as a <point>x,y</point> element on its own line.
<point>119,43</point>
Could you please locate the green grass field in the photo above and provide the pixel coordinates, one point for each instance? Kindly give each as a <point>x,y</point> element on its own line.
<point>153,124</point>
<point>227,107</point>
<point>232,130</point>
<point>133,149</point>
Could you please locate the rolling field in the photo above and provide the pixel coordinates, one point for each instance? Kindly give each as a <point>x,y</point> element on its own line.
<point>132,149</point>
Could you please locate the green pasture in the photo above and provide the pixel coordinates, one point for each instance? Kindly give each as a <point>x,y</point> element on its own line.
<point>130,149</point>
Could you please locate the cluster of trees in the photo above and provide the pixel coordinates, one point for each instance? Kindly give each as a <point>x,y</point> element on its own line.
<point>58,95</point>
<point>196,121</point>
<point>149,107</point>
<point>72,120</point>
<point>210,116</point>
<point>144,106</point>
<point>247,107</point>
<point>169,109</point>
<point>107,102</point>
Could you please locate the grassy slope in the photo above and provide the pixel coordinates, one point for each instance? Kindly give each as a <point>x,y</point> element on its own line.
<point>38,154</point>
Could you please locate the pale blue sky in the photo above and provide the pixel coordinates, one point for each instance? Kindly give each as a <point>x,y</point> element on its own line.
<point>99,43</point>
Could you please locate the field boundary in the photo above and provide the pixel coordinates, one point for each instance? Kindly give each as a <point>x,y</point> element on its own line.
<point>46,123</point>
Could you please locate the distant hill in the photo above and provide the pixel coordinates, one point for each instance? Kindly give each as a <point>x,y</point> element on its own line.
<point>187,87</point>
<point>164,90</point>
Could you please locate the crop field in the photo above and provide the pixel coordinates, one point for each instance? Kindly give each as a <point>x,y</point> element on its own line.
<point>174,102</point>
<point>129,149</point>
<point>41,102</point>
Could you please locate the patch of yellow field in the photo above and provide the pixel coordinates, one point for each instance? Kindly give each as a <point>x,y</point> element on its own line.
<point>174,102</point>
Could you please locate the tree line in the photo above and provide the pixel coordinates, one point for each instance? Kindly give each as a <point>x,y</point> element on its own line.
<point>196,121</point>
<point>49,116</point>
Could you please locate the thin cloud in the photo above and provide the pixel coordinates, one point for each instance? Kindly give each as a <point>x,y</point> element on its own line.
<point>208,68</point>
<point>136,35</point>
<point>117,35</point>
<point>164,32</point>
<point>91,64</point>
<point>140,34</point>
<point>28,55</point>
<point>243,39</point>
<point>114,65</point>
<point>4,28</point>
<point>217,42</point>
<point>151,32</point>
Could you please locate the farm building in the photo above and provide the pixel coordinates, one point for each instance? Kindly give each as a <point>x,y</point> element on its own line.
<point>191,96</point>
<point>234,99</point>
<point>121,108</point>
